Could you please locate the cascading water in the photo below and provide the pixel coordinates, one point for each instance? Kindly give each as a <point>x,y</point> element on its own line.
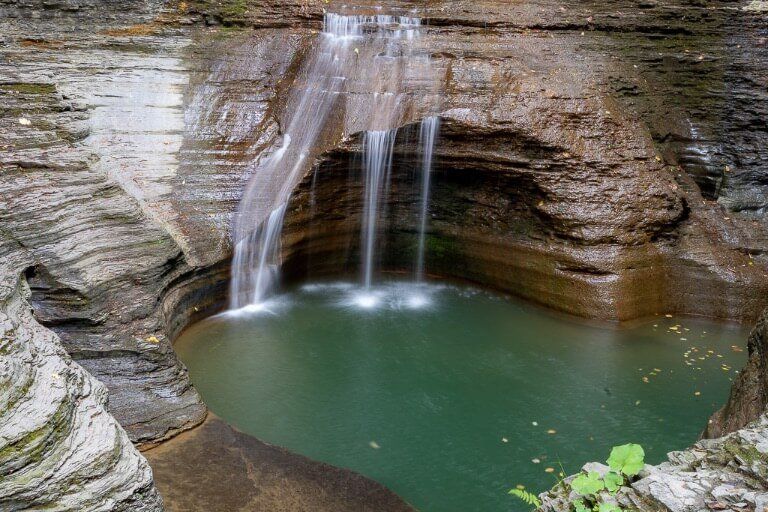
<point>352,81</point>
<point>427,137</point>
<point>378,148</point>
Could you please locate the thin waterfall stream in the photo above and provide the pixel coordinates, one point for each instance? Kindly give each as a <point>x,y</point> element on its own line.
<point>378,148</point>
<point>352,81</point>
<point>427,136</point>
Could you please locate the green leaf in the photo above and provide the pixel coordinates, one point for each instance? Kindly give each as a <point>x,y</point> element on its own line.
<point>627,459</point>
<point>613,481</point>
<point>587,484</point>
<point>608,507</point>
<point>580,506</point>
<point>527,497</point>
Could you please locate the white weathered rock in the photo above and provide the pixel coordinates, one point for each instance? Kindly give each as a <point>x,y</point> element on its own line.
<point>728,473</point>
<point>60,450</point>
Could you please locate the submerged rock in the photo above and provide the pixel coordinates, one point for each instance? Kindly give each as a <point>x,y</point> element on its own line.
<point>197,471</point>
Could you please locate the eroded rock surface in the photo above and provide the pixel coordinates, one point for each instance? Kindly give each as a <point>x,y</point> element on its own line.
<point>84,168</point>
<point>60,449</point>
<point>749,393</point>
<point>582,161</point>
<point>728,473</point>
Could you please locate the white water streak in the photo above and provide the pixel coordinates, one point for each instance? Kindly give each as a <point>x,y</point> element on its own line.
<point>427,136</point>
<point>322,83</point>
<point>378,148</point>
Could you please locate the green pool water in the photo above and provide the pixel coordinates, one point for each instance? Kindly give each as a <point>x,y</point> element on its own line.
<point>451,396</point>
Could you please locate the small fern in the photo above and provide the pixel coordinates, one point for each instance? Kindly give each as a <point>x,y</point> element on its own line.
<point>527,497</point>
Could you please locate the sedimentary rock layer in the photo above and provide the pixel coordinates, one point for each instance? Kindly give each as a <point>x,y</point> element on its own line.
<point>60,449</point>
<point>749,393</point>
<point>588,169</point>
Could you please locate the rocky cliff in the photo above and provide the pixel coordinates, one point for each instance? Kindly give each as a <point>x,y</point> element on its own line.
<point>582,161</point>
<point>605,159</point>
<point>749,394</point>
<point>59,447</point>
<point>727,473</point>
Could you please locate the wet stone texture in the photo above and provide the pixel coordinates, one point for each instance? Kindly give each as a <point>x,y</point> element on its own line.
<point>749,393</point>
<point>728,473</point>
<point>606,159</point>
<point>215,468</point>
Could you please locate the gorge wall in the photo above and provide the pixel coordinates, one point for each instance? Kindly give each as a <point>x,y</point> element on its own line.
<point>604,159</point>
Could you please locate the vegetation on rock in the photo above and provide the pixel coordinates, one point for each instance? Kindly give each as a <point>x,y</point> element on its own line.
<point>591,491</point>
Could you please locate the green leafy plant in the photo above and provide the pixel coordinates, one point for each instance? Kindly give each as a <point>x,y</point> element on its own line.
<point>613,481</point>
<point>627,459</point>
<point>588,483</point>
<point>625,462</point>
<point>580,506</point>
<point>527,497</point>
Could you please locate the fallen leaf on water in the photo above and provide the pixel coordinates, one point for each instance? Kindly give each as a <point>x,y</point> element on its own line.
<point>535,461</point>
<point>697,393</point>
<point>504,440</point>
<point>374,445</point>
<point>550,470</point>
<point>551,431</point>
<point>645,379</point>
<point>535,423</point>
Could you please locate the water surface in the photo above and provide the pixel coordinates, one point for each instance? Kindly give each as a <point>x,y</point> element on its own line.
<point>450,396</point>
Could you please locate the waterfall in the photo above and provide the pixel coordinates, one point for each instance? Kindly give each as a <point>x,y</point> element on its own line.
<point>427,136</point>
<point>353,80</point>
<point>377,154</point>
<point>256,260</point>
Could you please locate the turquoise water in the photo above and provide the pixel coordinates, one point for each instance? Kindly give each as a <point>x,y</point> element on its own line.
<point>450,396</point>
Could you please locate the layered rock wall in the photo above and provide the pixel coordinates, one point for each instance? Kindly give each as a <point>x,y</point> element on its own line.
<point>60,449</point>
<point>749,393</point>
<point>604,159</point>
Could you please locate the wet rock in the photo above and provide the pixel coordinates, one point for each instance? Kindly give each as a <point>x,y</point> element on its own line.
<point>189,472</point>
<point>749,393</point>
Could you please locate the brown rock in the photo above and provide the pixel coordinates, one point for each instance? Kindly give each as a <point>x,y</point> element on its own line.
<point>749,392</point>
<point>215,468</point>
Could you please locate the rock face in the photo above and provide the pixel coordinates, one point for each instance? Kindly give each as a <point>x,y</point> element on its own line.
<point>79,200</point>
<point>729,473</point>
<point>606,159</point>
<point>577,167</point>
<point>749,393</point>
<point>59,448</point>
